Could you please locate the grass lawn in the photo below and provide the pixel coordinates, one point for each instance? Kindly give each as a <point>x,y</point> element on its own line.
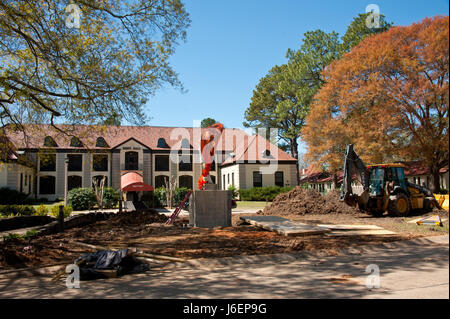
<point>251,204</point>
<point>49,205</point>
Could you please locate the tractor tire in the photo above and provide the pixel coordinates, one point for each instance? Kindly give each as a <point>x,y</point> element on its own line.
<point>399,206</point>
<point>377,213</point>
<point>429,205</point>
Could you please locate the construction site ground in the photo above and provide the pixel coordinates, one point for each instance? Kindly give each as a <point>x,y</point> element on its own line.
<point>148,233</point>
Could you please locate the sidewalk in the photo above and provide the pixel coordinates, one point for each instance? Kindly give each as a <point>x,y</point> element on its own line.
<point>409,269</point>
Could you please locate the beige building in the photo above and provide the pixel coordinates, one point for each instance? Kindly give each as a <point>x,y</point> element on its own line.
<point>45,162</point>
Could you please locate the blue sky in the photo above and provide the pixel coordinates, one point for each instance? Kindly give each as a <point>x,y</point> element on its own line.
<point>232,44</point>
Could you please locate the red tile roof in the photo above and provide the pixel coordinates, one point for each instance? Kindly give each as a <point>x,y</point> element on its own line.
<point>254,149</point>
<point>416,168</point>
<point>247,147</point>
<point>116,135</point>
<point>412,168</point>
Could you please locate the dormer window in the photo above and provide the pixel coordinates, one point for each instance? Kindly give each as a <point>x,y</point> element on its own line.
<point>75,142</point>
<point>101,142</point>
<point>266,153</point>
<point>162,143</point>
<point>49,142</point>
<point>185,143</point>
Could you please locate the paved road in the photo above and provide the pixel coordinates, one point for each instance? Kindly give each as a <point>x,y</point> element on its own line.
<point>410,269</point>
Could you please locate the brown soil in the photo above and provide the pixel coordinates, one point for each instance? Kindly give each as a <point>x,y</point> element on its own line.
<point>147,232</point>
<point>302,201</point>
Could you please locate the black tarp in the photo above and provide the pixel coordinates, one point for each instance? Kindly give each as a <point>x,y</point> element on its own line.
<point>119,261</point>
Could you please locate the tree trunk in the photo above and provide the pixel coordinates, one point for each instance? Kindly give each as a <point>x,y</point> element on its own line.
<point>335,180</point>
<point>294,151</point>
<point>436,185</point>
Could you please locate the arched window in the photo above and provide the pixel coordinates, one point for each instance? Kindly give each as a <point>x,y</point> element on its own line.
<point>160,180</point>
<point>75,142</point>
<point>47,185</point>
<point>74,181</point>
<point>162,143</point>
<point>186,181</point>
<point>101,142</point>
<point>49,142</point>
<point>131,161</point>
<point>185,143</point>
<point>97,180</point>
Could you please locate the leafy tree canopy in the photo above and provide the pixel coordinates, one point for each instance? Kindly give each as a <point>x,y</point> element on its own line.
<point>283,97</point>
<point>389,97</point>
<point>104,68</point>
<point>207,122</point>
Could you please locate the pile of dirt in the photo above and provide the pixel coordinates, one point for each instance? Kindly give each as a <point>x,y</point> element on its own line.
<point>302,201</point>
<point>137,218</point>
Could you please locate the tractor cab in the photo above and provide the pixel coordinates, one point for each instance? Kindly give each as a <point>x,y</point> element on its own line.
<point>383,174</point>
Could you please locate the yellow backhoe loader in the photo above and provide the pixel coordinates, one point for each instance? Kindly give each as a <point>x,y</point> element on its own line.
<point>385,188</point>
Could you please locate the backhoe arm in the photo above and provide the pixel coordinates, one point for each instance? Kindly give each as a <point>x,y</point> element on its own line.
<point>353,164</point>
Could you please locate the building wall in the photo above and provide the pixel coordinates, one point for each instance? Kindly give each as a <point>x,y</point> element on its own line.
<point>445,181</point>
<point>115,171</point>
<point>3,174</point>
<point>10,177</point>
<point>243,175</point>
<point>147,168</point>
<point>228,173</point>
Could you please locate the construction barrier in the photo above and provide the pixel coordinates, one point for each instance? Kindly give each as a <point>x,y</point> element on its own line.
<point>442,200</point>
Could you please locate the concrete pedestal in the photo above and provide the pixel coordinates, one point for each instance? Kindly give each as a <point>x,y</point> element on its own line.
<point>210,208</point>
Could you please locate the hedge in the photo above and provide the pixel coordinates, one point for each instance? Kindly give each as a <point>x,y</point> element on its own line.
<point>84,198</point>
<point>262,193</point>
<point>234,191</point>
<point>160,196</point>
<point>13,197</point>
<point>17,210</point>
<point>81,198</point>
<point>54,211</point>
<point>110,198</point>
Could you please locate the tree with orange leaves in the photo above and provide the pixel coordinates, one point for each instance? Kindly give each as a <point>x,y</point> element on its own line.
<point>389,97</point>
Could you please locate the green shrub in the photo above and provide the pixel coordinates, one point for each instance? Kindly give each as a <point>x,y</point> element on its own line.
<point>262,193</point>
<point>160,196</point>
<point>17,210</point>
<point>82,198</point>
<point>180,193</point>
<point>54,211</point>
<point>12,197</point>
<point>29,234</point>
<point>12,236</point>
<point>151,200</point>
<point>110,197</point>
<point>42,210</point>
<point>15,236</point>
<point>234,191</point>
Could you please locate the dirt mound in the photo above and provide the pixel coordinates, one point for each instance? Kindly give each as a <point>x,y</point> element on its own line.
<point>302,201</point>
<point>138,218</point>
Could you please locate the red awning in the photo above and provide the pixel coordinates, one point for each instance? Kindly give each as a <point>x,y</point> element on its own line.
<point>133,182</point>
